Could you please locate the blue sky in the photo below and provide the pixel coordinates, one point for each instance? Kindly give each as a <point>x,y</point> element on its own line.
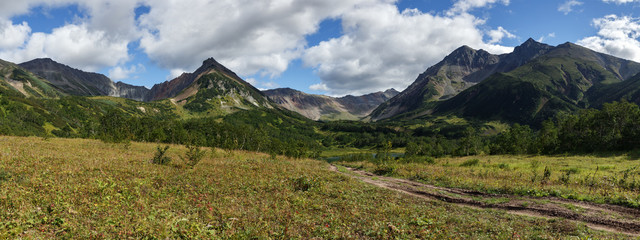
<point>333,47</point>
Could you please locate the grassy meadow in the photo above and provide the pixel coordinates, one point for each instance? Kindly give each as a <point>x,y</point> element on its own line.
<point>610,179</point>
<point>87,189</point>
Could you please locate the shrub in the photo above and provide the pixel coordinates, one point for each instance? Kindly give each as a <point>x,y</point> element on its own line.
<point>4,175</point>
<point>470,162</point>
<point>566,177</point>
<point>547,174</point>
<point>503,166</point>
<point>304,183</point>
<point>160,156</point>
<point>385,169</point>
<point>419,159</point>
<point>193,155</point>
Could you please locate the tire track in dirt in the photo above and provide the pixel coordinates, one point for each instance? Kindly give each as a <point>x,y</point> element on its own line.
<point>605,217</point>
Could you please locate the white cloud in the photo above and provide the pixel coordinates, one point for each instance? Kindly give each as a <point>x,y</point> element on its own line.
<point>247,36</point>
<point>383,48</point>
<point>74,45</point>
<point>13,8</point>
<point>620,1</point>
<point>498,34</point>
<point>89,44</point>
<point>550,35</point>
<point>13,36</point>
<point>174,73</point>
<point>261,85</point>
<point>119,72</point>
<point>251,81</point>
<point>462,6</point>
<point>319,87</point>
<point>115,17</point>
<point>270,84</point>
<point>617,36</point>
<point>567,6</point>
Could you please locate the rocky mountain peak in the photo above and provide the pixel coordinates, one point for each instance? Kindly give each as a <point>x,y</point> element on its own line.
<point>391,91</point>
<point>530,49</point>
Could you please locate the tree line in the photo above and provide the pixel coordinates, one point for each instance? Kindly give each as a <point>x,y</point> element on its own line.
<point>614,127</point>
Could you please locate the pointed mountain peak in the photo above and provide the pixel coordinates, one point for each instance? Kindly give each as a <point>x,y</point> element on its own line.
<point>391,90</point>
<point>211,63</point>
<point>530,41</point>
<point>533,45</point>
<point>463,50</point>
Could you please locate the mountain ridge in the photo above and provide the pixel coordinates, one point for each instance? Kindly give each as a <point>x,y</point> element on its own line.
<point>461,69</point>
<point>80,83</point>
<point>320,107</point>
<point>566,78</point>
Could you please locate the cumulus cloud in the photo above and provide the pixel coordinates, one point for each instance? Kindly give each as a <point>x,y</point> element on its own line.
<point>13,36</point>
<point>120,72</point>
<point>89,44</point>
<point>74,45</point>
<point>617,35</point>
<point>247,36</point>
<point>383,47</point>
<point>319,87</point>
<point>174,73</point>
<point>568,6</point>
<point>261,85</point>
<point>13,8</point>
<point>498,34</point>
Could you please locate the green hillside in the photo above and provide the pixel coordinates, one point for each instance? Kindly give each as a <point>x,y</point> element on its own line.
<point>15,81</point>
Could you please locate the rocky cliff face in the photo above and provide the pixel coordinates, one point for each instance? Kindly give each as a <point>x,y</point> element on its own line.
<point>124,90</point>
<point>458,71</point>
<point>76,82</point>
<point>319,107</point>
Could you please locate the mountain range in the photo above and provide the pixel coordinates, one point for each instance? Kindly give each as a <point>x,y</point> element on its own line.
<point>533,83</point>
<point>320,107</point>
<point>219,82</point>
<point>529,85</point>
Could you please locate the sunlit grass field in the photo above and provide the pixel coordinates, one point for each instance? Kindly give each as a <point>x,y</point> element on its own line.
<point>611,179</point>
<point>86,189</point>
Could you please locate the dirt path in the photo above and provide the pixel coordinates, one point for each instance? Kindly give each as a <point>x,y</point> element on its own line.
<point>598,216</point>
